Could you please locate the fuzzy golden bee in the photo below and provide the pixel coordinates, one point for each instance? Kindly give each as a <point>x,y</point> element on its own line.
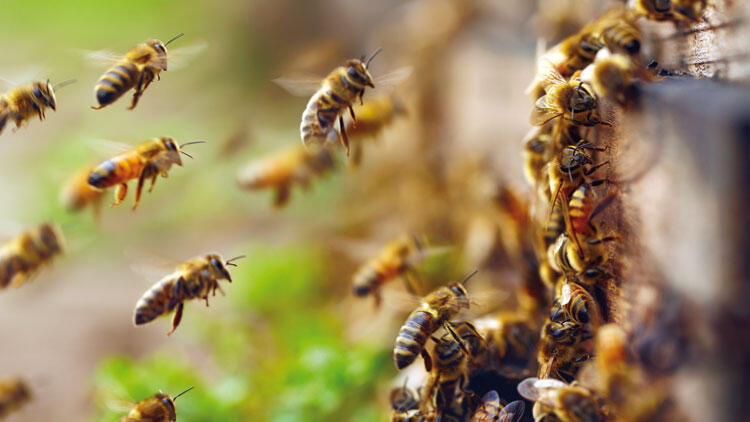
<point>136,70</point>
<point>14,393</point>
<point>579,305</point>
<point>397,259</point>
<point>77,193</point>
<point>570,403</point>
<point>449,374</point>
<point>491,410</point>
<point>159,408</point>
<point>24,255</point>
<point>436,310</point>
<point>280,171</point>
<point>612,76</point>
<point>338,92</point>
<point>572,100</point>
<point>584,259</point>
<point>147,161</point>
<point>194,279</point>
<point>24,102</point>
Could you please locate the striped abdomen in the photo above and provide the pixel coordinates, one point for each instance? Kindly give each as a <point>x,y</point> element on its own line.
<point>371,276</point>
<point>117,170</point>
<point>157,301</point>
<point>580,208</point>
<point>319,117</point>
<point>10,266</point>
<point>556,224</point>
<point>116,82</point>
<point>622,37</point>
<point>412,337</point>
<point>563,255</point>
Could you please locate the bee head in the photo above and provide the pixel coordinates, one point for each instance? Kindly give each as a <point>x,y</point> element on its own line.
<point>169,404</point>
<point>44,94</point>
<point>160,60</point>
<point>582,99</point>
<point>172,150</point>
<point>357,72</point>
<point>571,158</point>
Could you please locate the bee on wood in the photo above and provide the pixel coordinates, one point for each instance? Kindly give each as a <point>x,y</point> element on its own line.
<point>136,70</point>
<point>159,408</point>
<point>147,161</point>
<point>572,100</point>
<point>194,279</point>
<point>24,255</point>
<point>24,102</point>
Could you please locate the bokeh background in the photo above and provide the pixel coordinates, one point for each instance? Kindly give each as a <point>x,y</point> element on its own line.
<point>288,342</point>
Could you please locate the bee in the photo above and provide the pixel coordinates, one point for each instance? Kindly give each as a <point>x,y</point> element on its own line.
<point>449,374</point>
<point>24,102</point>
<point>612,76</point>
<point>159,408</point>
<point>338,91</point>
<point>583,210</point>
<point>564,346</point>
<point>14,393</point>
<point>509,343</point>
<point>536,147</point>
<point>436,310</point>
<point>657,10</point>
<point>77,193</point>
<point>404,398</point>
<point>585,259</point>
<point>281,170</point>
<point>397,259</point>
<point>570,403</point>
<point>148,160</point>
<point>492,410</point>
<point>622,36</point>
<point>137,69</point>
<point>22,256</point>
<point>572,100</point>
<point>194,279</point>
<point>373,115</point>
<point>579,305</point>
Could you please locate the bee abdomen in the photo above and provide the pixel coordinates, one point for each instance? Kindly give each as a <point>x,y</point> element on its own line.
<point>155,302</point>
<point>102,176</point>
<point>412,338</point>
<point>365,281</point>
<point>115,82</point>
<point>623,37</point>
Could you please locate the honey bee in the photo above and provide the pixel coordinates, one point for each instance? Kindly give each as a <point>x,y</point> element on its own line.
<point>397,259</point>
<point>14,393</point>
<point>670,10</point>
<point>77,193</point>
<point>572,100</point>
<point>492,410</point>
<point>536,147</point>
<point>449,374</point>
<point>194,279</point>
<point>148,160</point>
<point>373,115</point>
<point>24,102</point>
<point>563,348</point>
<point>570,403</point>
<point>612,76</point>
<point>583,210</point>
<point>622,36</point>
<point>338,91</point>
<point>22,256</point>
<point>283,169</point>
<point>579,304</point>
<point>436,310</point>
<point>509,343</point>
<point>159,408</point>
<point>137,69</point>
<point>585,259</point>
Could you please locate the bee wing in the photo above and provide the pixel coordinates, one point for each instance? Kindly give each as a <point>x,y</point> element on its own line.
<point>101,58</point>
<point>513,412</point>
<point>399,300</point>
<point>393,78</point>
<point>107,147</point>
<point>535,389</point>
<point>299,85</point>
<point>151,266</point>
<point>549,73</point>
<point>181,57</point>
<point>486,300</point>
<point>543,112</point>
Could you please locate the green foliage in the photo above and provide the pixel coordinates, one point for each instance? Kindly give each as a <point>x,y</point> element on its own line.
<point>279,352</point>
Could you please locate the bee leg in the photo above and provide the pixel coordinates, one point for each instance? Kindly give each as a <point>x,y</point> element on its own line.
<point>378,299</point>
<point>595,168</point>
<point>153,182</point>
<point>344,138</point>
<point>138,92</point>
<point>351,113</point>
<point>139,188</point>
<point>176,318</point>
<point>206,298</point>
<point>282,195</point>
<point>120,193</point>
<point>427,360</point>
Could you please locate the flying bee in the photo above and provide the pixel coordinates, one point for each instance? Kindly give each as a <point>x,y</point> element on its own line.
<point>159,408</point>
<point>283,169</point>
<point>338,92</point>
<point>373,115</point>
<point>77,193</point>
<point>571,100</point>
<point>194,279</point>
<point>397,259</point>
<point>22,256</point>
<point>137,69</point>
<point>14,393</point>
<point>147,161</point>
<point>570,403</point>
<point>24,102</point>
<point>436,310</point>
<point>492,410</point>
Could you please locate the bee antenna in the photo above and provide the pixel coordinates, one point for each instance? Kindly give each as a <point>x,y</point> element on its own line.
<point>372,56</point>
<point>185,153</point>
<point>174,38</point>
<point>468,277</point>
<point>191,143</point>
<point>229,261</point>
<point>64,83</point>
<point>175,397</point>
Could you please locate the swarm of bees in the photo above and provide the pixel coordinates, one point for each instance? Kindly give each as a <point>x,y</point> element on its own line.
<point>476,367</point>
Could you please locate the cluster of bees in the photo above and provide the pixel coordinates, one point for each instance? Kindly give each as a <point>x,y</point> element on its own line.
<point>478,369</point>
